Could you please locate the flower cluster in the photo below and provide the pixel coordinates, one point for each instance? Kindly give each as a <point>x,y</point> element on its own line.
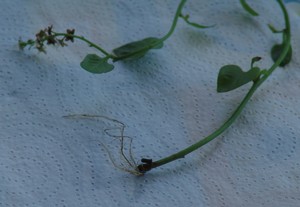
<point>49,37</point>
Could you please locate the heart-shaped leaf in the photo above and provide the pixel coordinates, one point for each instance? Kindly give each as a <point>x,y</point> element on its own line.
<point>248,8</point>
<point>231,77</point>
<point>137,49</point>
<point>276,52</point>
<point>95,64</point>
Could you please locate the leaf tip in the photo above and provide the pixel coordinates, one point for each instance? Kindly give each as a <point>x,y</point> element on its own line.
<point>95,64</point>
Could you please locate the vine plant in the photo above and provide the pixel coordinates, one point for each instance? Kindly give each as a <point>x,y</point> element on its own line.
<point>96,64</point>
<point>230,77</point>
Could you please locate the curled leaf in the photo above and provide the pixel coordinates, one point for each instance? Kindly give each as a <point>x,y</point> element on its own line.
<point>276,52</point>
<point>95,64</point>
<point>255,59</point>
<point>137,49</point>
<point>246,6</point>
<point>231,77</point>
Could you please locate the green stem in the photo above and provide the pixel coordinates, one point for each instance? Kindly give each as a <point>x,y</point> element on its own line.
<point>287,39</point>
<point>107,54</point>
<point>175,20</point>
<point>209,138</point>
<point>181,154</point>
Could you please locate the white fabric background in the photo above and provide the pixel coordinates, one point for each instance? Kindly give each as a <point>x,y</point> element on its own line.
<point>167,100</point>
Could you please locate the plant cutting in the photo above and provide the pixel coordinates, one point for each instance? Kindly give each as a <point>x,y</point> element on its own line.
<point>230,77</point>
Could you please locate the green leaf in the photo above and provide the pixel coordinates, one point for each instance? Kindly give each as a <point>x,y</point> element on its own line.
<point>95,64</point>
<point>231,77</point>
<point>277,50</point>
<point>186,19</point>
<point>248,8</point>
<point>137,49</point>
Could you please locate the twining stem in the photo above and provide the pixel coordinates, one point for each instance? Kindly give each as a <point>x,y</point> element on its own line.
<point>286,41</point>
<point>181,154</point>
<point>175,20</point>
<point>107,54</point>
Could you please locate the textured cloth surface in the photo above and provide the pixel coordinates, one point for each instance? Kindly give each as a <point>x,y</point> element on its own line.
<point>167,100</point>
